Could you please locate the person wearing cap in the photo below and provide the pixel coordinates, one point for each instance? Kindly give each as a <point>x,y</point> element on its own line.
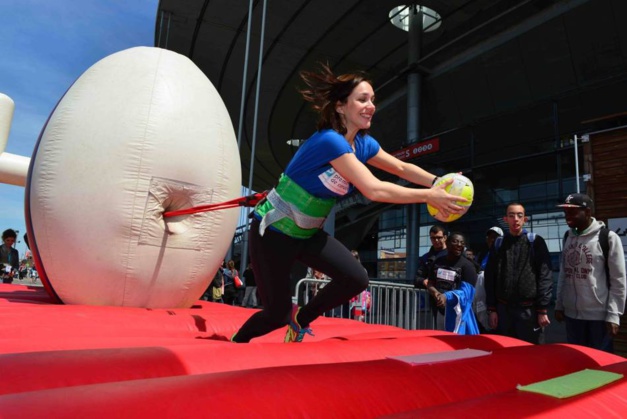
<point>479,304</point>
<point>490,238</point>
<point>590,289</point>
<point>519,281</point>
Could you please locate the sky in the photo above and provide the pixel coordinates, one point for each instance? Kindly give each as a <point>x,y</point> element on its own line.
<point>44,47</point>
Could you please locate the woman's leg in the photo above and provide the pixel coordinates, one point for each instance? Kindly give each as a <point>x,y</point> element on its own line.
<point>348,277</point>
<point>271,256</point>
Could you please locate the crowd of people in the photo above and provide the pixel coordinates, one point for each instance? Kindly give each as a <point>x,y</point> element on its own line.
<point>225,288</point>
<point>509,285</point>
<point>11,267</point>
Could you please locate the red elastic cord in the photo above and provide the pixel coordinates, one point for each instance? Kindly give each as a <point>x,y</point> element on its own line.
<point>244,201</point>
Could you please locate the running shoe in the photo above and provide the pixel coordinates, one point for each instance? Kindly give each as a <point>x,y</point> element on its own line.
<point>295,333</point>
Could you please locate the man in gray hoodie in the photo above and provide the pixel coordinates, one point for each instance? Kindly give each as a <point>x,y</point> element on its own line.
<point>590,290</point>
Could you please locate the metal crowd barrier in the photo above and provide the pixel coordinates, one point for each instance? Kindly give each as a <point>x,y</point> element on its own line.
<point>393,304</point>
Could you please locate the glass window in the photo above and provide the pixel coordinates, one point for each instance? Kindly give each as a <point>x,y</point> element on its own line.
<point>532,181</point>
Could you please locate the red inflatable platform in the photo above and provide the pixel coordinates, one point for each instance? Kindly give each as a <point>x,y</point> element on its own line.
<point>62,361</point>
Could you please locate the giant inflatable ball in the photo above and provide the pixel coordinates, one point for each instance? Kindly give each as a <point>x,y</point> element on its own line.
<point>141,132</point>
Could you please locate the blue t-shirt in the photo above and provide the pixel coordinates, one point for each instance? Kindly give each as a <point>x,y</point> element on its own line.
<point>311,168</point>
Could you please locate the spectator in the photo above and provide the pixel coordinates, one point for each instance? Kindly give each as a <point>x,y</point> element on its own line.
<point>470,255</point>
<point>250,296</point>
<point>216,288</point>
<point>591,283</point>
<point>479,305</point>
<point>518,281</point>
<point>451,286</point>
<point>490,237</point>
<point>240,292</point>
<point>9,256</point>
<point>360,304</point>
<point>228,274</point>
<point>437,235</point>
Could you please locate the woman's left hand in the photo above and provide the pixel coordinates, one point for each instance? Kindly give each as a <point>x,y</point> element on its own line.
<point>444,201</point>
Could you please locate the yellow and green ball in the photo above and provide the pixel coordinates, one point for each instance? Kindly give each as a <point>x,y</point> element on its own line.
<point>461,186</point>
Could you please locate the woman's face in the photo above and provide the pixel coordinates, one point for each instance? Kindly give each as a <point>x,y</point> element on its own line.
<point>9,241</point>
<point>359,108</point>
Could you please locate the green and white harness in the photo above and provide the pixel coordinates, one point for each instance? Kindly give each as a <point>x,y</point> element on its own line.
<point>292,210</point>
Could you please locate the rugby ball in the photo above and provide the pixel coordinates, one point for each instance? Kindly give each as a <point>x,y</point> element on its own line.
<point>461,186</point>
<point>141,132</point>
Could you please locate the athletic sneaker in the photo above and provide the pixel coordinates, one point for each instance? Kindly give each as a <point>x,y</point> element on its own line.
<point>295,333</point>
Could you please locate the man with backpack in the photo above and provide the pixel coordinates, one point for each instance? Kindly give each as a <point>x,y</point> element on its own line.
<point>518,281</point>
<point>591,283</point>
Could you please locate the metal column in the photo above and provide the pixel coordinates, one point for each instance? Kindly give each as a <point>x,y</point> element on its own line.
<point>413,131</point>
<point>244,257</point>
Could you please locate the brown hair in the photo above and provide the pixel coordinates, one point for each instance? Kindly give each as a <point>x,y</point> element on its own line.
<point>325,89</point>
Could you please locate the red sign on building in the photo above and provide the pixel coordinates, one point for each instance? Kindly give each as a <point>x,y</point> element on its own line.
<point>418,149</point>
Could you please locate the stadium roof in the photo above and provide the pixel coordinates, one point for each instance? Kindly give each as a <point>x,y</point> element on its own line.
<point>504,63</point>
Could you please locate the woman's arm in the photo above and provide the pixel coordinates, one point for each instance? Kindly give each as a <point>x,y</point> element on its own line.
<point>410,172</point>
<point>374,189</point>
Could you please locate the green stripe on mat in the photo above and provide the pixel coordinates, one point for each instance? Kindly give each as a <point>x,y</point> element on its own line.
<point>572,384</point>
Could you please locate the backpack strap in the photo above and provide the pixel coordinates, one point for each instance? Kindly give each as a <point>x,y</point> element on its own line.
<point>499,241</point>
<point>604,241</point>
<point>531,236</point>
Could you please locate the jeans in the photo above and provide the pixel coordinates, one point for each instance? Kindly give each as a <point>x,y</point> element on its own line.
<point>591,333</point>
<point>520,322</point>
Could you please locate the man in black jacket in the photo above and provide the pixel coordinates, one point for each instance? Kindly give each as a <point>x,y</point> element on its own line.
<point>518,281</point>
<point>438,236</point>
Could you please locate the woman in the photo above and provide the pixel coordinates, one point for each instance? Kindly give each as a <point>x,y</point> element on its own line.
<point>287,225</point>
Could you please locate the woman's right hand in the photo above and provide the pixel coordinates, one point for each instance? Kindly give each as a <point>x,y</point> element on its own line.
<point>443,201</point>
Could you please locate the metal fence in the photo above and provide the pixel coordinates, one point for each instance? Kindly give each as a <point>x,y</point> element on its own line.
<point>393,304</point>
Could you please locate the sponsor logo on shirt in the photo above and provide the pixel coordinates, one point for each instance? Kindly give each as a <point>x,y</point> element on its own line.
<point>334,182</point>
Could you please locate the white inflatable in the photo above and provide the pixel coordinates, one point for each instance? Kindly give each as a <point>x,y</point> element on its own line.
<point>13,168</point>
<point>7,106</point>
<point>140,132</point>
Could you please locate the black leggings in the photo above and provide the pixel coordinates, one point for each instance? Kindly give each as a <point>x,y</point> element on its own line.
<point>272,257</point>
